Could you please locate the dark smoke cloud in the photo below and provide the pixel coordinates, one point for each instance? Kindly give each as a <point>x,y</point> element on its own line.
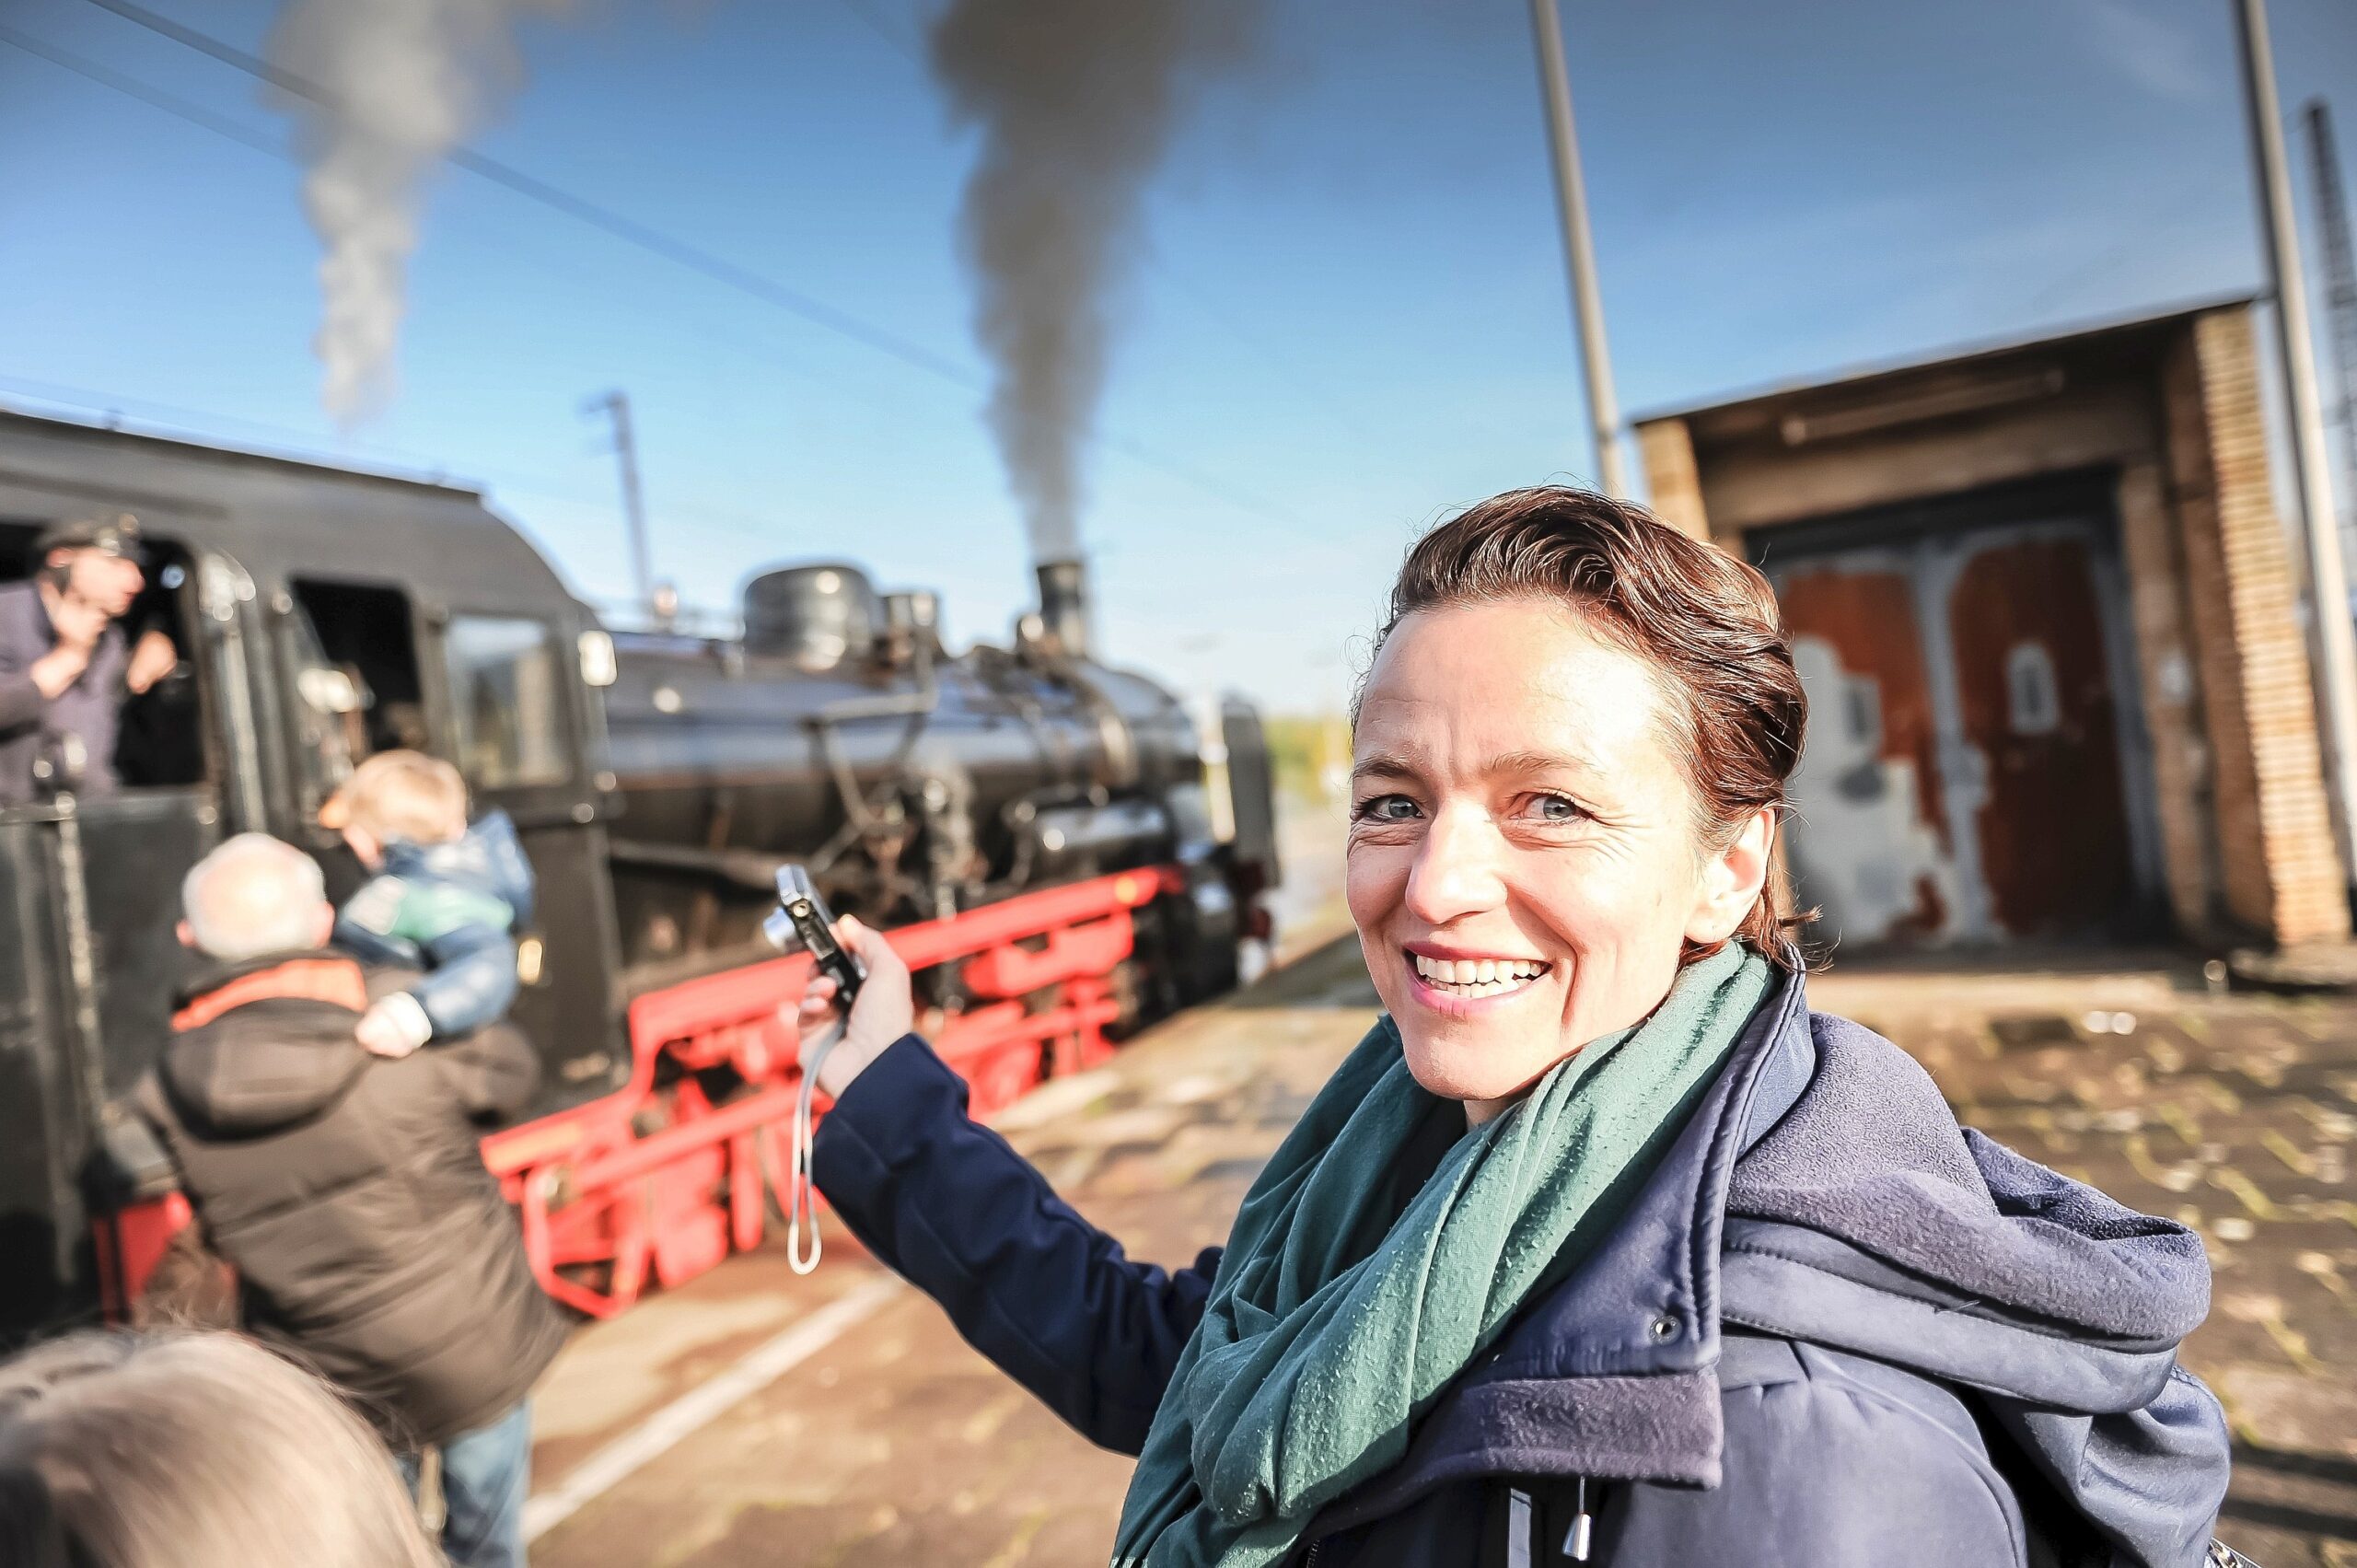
<point>1076,101</point>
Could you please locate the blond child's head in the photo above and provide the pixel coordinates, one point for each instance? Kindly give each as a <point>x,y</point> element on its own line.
<point>397,797</point>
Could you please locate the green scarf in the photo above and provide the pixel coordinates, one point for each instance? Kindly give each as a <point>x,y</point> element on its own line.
<point>1338,1319</point>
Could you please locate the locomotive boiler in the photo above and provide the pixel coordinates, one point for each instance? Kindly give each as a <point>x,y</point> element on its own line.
<point>838,731</point>
<point>1058,848</point>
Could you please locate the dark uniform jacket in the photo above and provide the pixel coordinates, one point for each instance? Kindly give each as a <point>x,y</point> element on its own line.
<point>33,729</point>
<point>1832,1328</point>
<point>349,1195</point>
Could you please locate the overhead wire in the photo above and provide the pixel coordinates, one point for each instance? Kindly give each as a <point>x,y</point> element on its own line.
<point>304,444</point>
<point>580,208</point>
<point>189,422</point>
<point>161,418</point>
<point>882,26</point>
<point>300,446</point>
<point>694,258</point>
<point>274,148</point>
<point>132,86</point>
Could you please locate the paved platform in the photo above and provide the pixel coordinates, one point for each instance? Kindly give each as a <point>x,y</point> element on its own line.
<point>757,1418</point>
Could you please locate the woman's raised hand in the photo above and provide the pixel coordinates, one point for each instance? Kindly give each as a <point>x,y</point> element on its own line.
<point>884,1010</point>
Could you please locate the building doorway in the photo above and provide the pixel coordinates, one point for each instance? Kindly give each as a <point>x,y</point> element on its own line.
<point>1976,768</point>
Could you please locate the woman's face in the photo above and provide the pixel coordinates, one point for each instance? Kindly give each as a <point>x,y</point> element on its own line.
<point>1524,863</point>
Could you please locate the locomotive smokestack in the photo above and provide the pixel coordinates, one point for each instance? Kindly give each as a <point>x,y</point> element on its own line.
<point>1063,604</point>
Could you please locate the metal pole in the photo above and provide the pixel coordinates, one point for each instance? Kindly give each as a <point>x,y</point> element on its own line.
<point>2335,648</point>
<point>1579,251</point>
<point>615,405</point>
<point>2339,295</point>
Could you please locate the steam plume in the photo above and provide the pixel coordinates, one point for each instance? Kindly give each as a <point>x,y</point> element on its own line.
<point>1076,100</point>
<point>410,80</point>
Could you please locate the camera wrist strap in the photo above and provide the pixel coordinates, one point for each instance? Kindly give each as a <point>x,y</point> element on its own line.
<point>802,1194</point>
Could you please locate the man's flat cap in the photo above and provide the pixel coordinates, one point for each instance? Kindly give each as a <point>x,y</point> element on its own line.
<point>116,533</point>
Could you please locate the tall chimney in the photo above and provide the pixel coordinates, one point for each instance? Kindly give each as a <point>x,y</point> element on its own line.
<point>1063,604</point>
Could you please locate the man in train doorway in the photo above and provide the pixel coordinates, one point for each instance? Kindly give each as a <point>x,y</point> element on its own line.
<point>64,662</point>
<point>348,1190</point>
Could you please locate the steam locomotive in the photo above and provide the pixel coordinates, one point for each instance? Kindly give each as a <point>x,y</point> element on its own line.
<point>1060,849</point>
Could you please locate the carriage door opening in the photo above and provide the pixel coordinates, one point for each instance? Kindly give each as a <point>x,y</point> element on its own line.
<point>363,681</point>
<point>513,685</point>
<point>350,650</point>
<point>1975,770</point>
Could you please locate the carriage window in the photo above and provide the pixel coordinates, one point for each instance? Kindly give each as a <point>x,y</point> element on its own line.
<point>363,632</point>
<point>352,660</point>
<point>160,730</point>
<point>506,700</point>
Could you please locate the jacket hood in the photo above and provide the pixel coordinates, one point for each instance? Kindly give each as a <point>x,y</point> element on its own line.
<point>268,1063</point>
<point>1823,1191</point>
<point>488,859</point>
<point>1864,1216</point>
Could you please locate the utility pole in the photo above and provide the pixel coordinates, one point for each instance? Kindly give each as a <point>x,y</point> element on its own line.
<point>2334,647</point>
<point>1579,251</point>
<point>2339,295</point>
<point>615,405</point>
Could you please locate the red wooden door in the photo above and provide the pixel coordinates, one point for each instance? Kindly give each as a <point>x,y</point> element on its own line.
<point>1869,845</point>
<point>2035,694</point>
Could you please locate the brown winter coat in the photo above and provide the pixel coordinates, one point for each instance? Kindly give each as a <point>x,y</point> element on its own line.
<point>349,1195</point>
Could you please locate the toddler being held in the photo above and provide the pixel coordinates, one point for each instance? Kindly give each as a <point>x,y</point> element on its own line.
<point>446,897</point>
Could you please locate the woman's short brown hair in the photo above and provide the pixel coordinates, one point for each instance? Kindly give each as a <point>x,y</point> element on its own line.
<point>1707,622</point>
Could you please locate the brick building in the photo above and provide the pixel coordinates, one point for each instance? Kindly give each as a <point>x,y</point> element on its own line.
<point>2046,614</point>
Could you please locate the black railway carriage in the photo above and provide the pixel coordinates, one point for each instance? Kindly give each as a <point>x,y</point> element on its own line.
<point>322,614</point>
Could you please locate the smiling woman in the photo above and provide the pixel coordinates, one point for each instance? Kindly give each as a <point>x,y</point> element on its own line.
<point>1571,752</point>
<point>1601,1247</point>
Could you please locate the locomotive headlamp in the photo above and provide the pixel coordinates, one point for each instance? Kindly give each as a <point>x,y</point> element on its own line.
<point>328,691</point>
<point>598,665</point>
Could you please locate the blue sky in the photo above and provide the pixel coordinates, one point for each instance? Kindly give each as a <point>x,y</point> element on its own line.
<point>1352,319</point>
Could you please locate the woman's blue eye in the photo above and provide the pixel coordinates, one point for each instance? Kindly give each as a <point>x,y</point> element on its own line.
<point>1555,808</point>
<point>1386,808</point>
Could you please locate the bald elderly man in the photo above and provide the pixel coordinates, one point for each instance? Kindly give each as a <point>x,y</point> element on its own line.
<point>347,1190</point>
